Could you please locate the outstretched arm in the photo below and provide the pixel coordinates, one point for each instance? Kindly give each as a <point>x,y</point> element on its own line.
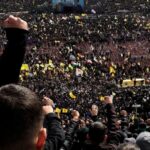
<point>111,114</point>
<point>113,137</point>
<point>55,132</point>
<point>12,57</point>
<point>71,130</point>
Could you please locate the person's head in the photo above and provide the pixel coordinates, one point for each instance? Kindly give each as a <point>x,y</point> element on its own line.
<point>130,140</point>
<point>123,113</point>
<point>97,132</point>
<point>21,119</point>
<point>128,146</point>
<point>143,140</point>
<point>118,124</point>
<point>148,121</point>
<point>94,110</point>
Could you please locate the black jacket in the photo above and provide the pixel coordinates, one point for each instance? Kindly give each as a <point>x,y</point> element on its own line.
<point>55,132</point>
<point>70,135</point>
<point>99,147</point>
<point>10,64</point>
<point>112,137</point>
<point>112,134</point>
<point>12,57</point>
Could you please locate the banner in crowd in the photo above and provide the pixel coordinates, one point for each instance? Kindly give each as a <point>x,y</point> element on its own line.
<point>61,110</point>
<point>133,82</point>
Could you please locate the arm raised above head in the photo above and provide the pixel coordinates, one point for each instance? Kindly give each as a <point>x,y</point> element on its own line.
<point>13,55</point>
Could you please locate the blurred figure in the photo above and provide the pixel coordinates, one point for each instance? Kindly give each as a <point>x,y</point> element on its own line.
<point>143,140</point>
<point>128,146</point>
<point>22,117</point>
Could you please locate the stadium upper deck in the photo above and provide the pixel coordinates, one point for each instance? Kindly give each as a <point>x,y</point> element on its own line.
<point>100,6</point>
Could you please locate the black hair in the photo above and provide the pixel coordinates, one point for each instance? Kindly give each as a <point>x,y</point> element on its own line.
<point>20,114</point>
<point>97,132</point>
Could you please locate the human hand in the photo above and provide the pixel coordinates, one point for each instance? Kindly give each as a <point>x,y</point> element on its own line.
<point>15,22</point>
<point>47,109</point>
<point>47,101</point>
<point>47,105</point>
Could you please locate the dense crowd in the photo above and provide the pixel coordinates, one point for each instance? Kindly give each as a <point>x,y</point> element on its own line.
<point>103,6</point>
<point>86,56</point>
<point>78,60</point>
<point>80,53</point>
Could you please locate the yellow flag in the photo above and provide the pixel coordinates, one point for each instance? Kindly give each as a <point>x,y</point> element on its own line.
<point>83,15</point>
<point>70,67</point>
<point>72,95</point>
<point>42,65</point>
<point>101,98</point>
<point>77,17</point>
<point>62,65</point>
<point>57,110</point>
<point>64,110</point>
<point>50,63</point>
<point>25,67</point>
<point>112,70</point>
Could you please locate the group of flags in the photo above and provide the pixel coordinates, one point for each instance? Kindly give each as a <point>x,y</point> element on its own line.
<point>61,110</point>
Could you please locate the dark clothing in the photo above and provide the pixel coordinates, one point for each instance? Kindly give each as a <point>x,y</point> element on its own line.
<point>95,118</point>
<point>70,135</point>
<point>10,64</point>
<point>81,144</point>
<point>111,143</point>
<point>100,147</point>
<point>124,123</point>
<point>12,57</point>
<point>55,132</point>
<point>111,116</point>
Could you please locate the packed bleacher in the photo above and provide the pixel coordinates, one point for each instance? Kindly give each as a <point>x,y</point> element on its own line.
<point>103,6</point>
<point>78,60</point>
